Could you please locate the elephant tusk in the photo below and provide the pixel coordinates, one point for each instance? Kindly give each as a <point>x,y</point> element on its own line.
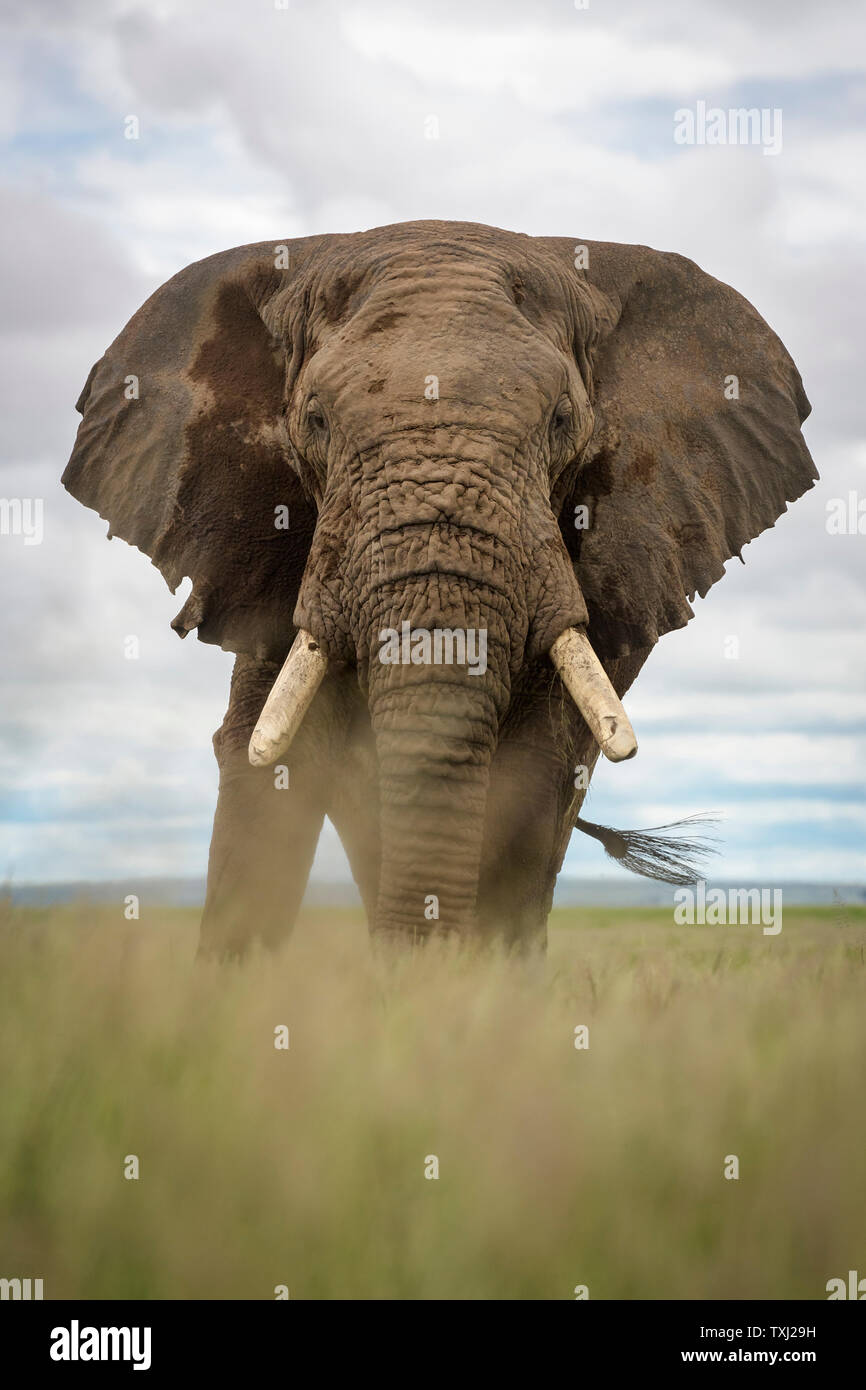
<point>585,680</point>
<point>292,692</point>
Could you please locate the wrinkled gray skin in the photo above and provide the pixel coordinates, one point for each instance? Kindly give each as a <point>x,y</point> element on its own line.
<point>302,378</point>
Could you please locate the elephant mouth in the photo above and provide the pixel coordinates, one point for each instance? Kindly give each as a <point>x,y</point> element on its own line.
<point>572,654</point>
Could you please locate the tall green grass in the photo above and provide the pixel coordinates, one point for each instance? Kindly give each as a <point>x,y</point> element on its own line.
<point>558,1167</point>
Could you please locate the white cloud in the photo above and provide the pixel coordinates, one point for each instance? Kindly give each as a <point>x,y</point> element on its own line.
<point>548,71</point>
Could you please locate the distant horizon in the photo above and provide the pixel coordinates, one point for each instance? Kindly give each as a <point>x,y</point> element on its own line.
<point>572,890</point>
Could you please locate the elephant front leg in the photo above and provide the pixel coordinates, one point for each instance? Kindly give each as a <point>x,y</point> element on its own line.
<point>538,783</point>
<point>266,826</point>
<point>530,814</point>
<point>523,834</point>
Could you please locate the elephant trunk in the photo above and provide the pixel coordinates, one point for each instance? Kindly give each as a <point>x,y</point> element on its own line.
<point>434,769</point>
<point>437,688</point>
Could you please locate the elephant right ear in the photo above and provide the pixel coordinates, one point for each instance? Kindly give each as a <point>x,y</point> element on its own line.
<point>696,447</point>
<point>182,448</point>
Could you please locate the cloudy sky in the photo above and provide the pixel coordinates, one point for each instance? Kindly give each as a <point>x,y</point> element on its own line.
<point>261,121</point>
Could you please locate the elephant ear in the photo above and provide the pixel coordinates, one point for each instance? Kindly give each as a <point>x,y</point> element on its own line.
<point>182,447</point>
<point>696,447</point>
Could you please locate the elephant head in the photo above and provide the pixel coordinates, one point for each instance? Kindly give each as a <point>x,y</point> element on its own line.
<point>439,428</point>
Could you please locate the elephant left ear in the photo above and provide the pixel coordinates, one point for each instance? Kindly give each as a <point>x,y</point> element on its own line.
<point>182,447</point>
<point>696,448</point>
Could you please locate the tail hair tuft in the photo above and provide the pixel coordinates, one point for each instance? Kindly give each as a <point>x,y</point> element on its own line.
<point>669,858</point>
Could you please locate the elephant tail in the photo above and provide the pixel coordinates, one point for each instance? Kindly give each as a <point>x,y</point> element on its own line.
<point>670,858</point>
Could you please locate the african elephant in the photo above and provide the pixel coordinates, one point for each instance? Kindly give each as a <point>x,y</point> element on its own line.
<point>367,441</point>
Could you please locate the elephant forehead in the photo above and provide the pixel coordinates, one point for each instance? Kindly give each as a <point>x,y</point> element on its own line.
<point>436,351</point>
<point>456,271</point>
<point>435,382</point>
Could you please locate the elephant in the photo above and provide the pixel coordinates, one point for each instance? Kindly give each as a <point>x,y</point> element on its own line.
<point>524,453</point>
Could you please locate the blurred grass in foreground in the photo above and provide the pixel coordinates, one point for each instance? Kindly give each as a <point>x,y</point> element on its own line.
<point>558,1167</point>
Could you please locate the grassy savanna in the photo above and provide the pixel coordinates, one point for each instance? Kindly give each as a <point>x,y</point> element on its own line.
<point>557,1166</point>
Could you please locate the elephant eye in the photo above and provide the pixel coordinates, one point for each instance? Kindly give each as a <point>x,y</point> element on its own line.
<point>562,415</point>
<point>316,417</point>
